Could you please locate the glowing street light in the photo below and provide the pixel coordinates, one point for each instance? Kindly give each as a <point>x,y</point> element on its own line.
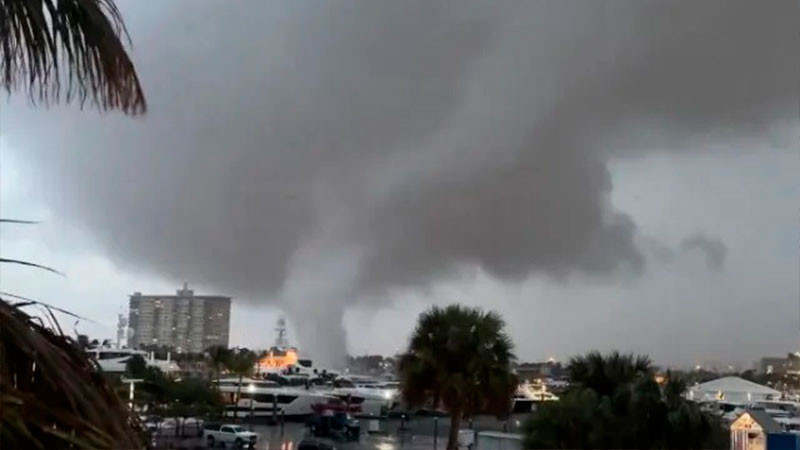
<point>251,389</point>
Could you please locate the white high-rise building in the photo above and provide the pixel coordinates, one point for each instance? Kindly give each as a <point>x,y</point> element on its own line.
<point>184,322</point>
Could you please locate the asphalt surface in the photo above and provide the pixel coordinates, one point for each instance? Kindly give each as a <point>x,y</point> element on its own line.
<point>417,434</point>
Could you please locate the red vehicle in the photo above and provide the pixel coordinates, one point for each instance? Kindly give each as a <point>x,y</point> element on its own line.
<point>335,405</point>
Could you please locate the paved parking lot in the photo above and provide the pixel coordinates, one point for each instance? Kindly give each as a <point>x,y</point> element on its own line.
<point>275,438</point>
<point>417,435</point>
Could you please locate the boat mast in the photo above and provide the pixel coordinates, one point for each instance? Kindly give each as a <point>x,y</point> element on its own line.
<point>281,340</point>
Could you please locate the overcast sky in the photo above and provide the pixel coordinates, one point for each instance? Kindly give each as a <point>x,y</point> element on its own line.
<point>608,175</point>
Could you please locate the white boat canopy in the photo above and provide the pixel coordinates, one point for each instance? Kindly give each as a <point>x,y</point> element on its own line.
<point>732,389</point>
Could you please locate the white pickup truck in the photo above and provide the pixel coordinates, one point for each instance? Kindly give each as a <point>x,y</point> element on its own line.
<point>224,435</point>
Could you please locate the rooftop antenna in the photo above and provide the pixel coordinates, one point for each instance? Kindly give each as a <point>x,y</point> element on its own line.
<point>280,330</point>
<point>185,292</point>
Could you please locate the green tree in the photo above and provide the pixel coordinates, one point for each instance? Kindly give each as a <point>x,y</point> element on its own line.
<point>178,398</point>
<point>155,388</point>
<point>242,364</point>
<point>462,357</point>
<point>615,402</point>
<point>218,357</point>
<point>136,367</point>
<point>191,397</point>
<point>603,374</point>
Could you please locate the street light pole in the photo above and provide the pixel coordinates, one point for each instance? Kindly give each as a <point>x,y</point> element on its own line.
<point>131,388</point>
<point>251,389</point>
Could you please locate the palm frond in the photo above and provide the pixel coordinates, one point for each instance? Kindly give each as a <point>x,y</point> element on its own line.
<point>29,301</point>
<point>52,395</point>
<point>17,221</point>
<point>68,50</point>
<point>30,264</point>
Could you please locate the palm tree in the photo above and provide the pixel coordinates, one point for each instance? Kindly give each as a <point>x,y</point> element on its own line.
<point>68,49</point>
<point>218,356</point>
<point>571,422</point>
<point>241,363</point>
<point>462,357</point>
<point>615,402</point>
<point>604,373</point>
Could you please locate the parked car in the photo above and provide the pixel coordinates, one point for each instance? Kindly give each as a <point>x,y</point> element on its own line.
<point>191,426</point>
<point>228,434</point>
<point>187,427</point>
<point>151,423</point>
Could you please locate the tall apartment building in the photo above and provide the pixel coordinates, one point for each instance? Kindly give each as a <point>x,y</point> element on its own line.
<point>184,322</point>
<point>781,366</point>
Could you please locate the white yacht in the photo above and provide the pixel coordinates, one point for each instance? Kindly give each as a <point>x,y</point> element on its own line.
<point>283,366</point>
<point>528,394</point>
<point>790,424</point>
<point>262,397</point>
<point>785,412</point>
<point>728,411</point>
<point>368,399</point>
<point>792,408</point>
<point>114,360</point>
<point>375,399</point>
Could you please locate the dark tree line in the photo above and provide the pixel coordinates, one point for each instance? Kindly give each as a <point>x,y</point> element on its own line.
<point>615,402</point>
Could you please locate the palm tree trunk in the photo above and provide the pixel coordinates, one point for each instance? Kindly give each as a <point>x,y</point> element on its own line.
<point>238,396</point>
<point>455,424</point>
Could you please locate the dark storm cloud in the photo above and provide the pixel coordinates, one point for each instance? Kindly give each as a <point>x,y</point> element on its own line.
<point>713,248</point>
<point>642,77</point>
<point>392,143</point>
<point>661,252</point>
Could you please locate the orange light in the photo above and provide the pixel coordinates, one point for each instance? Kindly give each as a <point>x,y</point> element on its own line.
<point>273,361</point>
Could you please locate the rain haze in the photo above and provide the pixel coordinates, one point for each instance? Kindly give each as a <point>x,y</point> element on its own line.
<point>607,175</point>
